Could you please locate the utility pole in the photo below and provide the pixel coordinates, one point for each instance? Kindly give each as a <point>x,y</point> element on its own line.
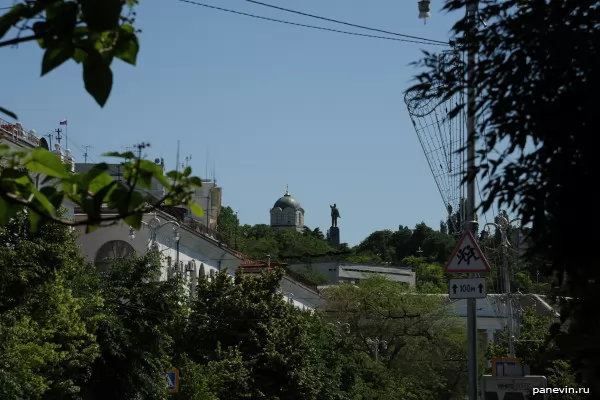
<point>85,152</point>
<point>471,223</point>
<point>49,136</point>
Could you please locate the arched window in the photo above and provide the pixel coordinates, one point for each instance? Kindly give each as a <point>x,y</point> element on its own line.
<point>110,251</point>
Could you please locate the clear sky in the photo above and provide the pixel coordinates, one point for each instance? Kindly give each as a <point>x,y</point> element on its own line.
<point>271,104</point>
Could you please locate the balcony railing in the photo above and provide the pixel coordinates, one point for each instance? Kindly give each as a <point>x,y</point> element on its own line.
<point>16,134</point>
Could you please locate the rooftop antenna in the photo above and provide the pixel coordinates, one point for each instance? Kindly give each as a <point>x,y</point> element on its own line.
<point>206,164</point>
<point>85,152</point>
<point>177,158</point>
<point>58,137</point>
<point>215,172</point>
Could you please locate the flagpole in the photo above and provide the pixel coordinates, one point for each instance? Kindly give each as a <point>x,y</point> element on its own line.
<point>66,133</point>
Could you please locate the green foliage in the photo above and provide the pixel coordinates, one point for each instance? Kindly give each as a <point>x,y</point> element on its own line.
<point>393,247</point>
<point>285,244</point>
<point>246,323</point>
<point>91,33</point>
<point>92,191</point>
<point>537,348</point>
<point>424,344</point>
<point>46,318</point>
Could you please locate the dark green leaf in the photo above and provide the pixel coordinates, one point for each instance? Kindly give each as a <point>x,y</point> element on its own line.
<point>135,220</point>
<point>44,162</point>
<point>127,47</point>
<point>54,196</point>
<point>195,181</point>
<point>9,113</point>
<point>101,195</point>
<point>56,55</point>
<point>97,77</point>
<point>101,15</point>
<point>79,55</point>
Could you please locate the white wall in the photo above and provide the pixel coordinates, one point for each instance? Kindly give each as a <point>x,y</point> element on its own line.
<point>300,295</point>
<point>191,246</point>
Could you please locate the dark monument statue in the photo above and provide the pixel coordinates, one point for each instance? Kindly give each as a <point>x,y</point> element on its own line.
<point>335,214</point>
<point>334,231</point>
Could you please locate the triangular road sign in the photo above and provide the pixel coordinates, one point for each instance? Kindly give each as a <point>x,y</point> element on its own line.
<point>467,257</point>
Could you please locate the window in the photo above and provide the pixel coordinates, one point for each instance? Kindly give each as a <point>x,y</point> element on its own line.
<point>111,251</point>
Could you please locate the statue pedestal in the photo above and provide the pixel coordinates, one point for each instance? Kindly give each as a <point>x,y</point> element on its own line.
<point>334,236</point>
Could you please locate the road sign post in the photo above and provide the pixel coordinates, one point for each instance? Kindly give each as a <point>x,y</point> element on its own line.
<point>468,258</point>
<point>470,288</point>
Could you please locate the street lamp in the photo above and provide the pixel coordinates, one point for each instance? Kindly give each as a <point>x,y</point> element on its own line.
<point>502,224</point>
<point>154,225</point>
<point>375,343</point>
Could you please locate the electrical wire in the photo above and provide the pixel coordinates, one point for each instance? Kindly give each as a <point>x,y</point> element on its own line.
<point>348,24</point>
<point>420,41</point>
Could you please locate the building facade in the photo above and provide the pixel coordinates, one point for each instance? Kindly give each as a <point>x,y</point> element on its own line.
<point>287,213</point>
<point>184,249</point>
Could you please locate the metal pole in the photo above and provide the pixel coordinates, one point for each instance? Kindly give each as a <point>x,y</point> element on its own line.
<point>511,328</point>
<point>471,216</point>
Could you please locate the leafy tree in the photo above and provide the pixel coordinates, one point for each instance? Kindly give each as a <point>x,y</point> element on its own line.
<point>378,243</point>
<point>418,332</point>
<point>228,225</point>
<point>144,316</point>
<point>549,125</point>
<point>537,348</point>
<point>247,316</point>
<point>47,317</point>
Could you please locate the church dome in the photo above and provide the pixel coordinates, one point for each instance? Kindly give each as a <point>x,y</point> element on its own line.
<point>287,201</point>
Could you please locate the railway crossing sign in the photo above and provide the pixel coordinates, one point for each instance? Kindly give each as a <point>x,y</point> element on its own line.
<point>467,257</point>
<point>470,288</point>
<point>171,378</point>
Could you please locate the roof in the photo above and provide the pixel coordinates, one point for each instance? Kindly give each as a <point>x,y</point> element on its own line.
<point>287,201</point>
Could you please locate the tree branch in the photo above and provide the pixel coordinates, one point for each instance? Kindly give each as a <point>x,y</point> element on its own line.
<point>18,40</point>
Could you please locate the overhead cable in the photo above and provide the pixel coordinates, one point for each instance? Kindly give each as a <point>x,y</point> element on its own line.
<point>438,42</point>
<point>420,41</point>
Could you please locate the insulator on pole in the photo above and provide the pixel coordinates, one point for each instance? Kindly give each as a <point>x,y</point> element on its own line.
<point>424,10</point>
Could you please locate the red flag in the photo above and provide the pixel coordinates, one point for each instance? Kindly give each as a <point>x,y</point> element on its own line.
<point>63,122</point>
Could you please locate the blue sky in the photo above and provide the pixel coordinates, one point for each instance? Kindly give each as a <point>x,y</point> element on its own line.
<point>271,105</point>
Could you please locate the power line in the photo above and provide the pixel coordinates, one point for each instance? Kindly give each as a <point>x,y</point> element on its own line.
<point>347,23</point>
<point>420,41</point>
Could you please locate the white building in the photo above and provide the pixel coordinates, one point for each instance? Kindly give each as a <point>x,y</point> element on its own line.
<point>342,272</point>
<point>17,137</point>
<point>185,249</point>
